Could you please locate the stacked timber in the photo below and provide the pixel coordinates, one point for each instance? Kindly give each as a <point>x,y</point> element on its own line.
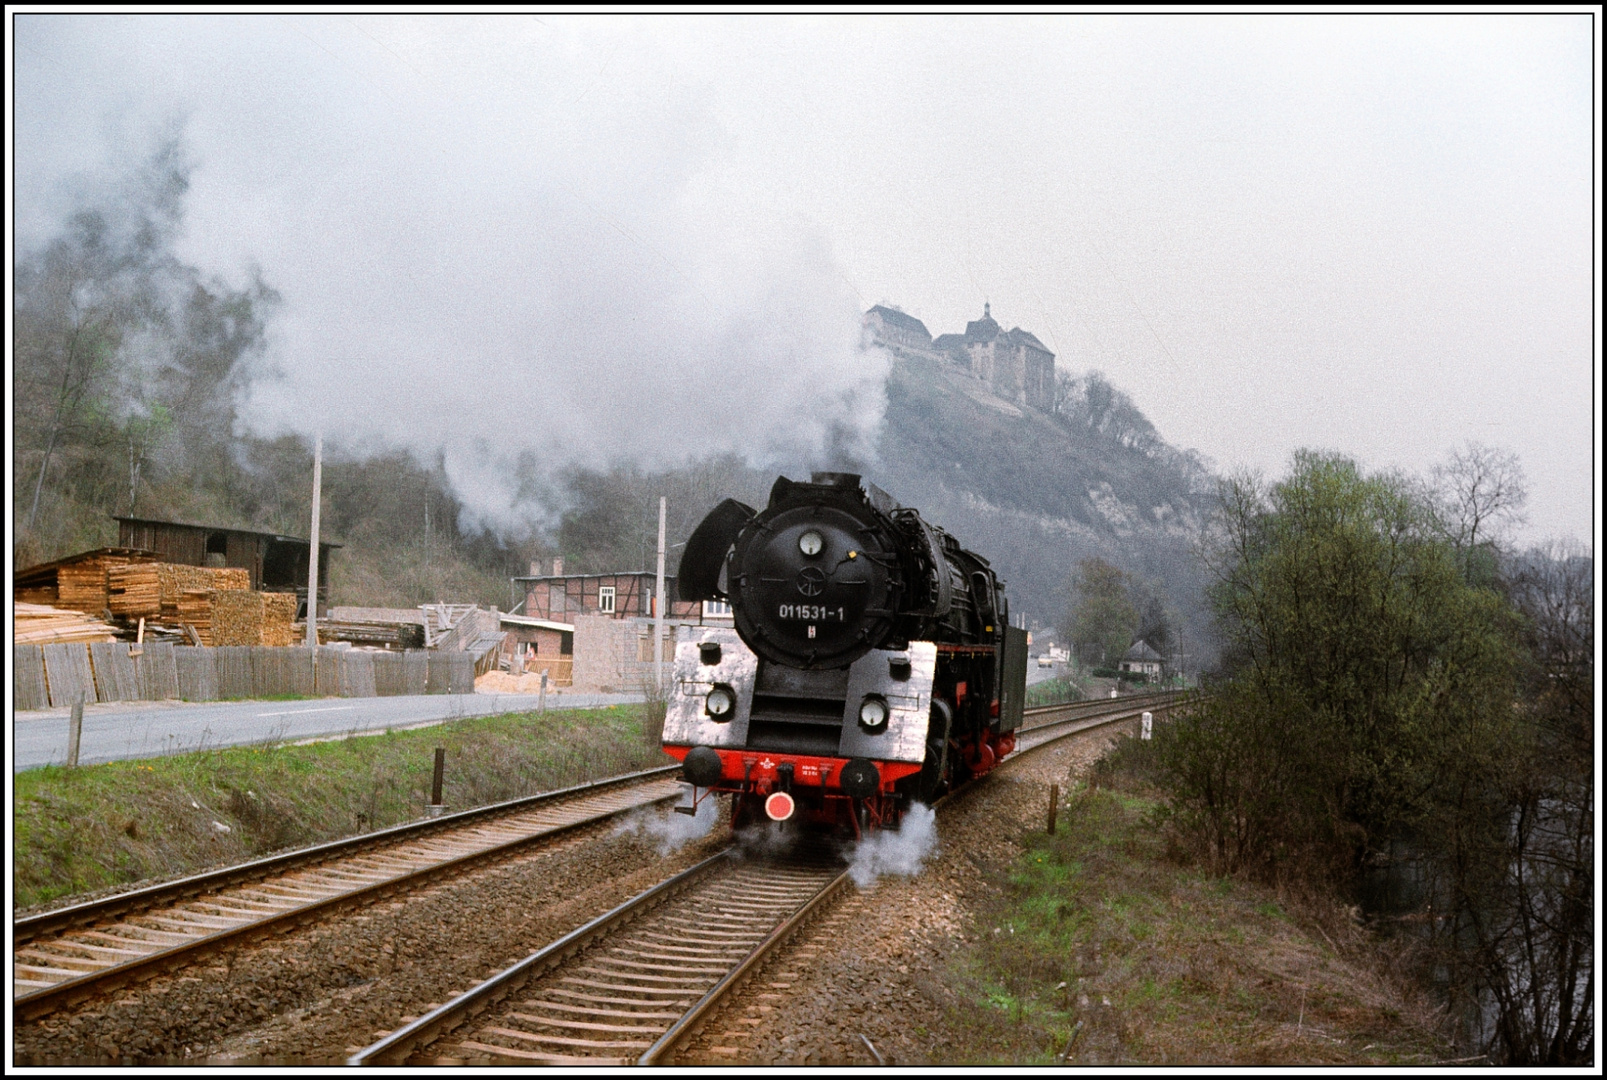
<point>40,624</point>
<point>77,582</point>
<point>82,584</point>
<point>279,618</point>
<point>391,635</point>
<point>243,617</point>
<point>134,592</point>
<point>194,609</point>
<point>152,590</point>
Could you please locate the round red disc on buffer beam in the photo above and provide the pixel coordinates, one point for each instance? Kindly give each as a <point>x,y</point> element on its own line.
<point>779,806</point>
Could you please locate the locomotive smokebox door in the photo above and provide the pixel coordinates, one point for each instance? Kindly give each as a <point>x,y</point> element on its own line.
<point>1012,678</point>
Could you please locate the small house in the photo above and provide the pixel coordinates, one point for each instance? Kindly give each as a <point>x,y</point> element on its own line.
<point>1143,660</point>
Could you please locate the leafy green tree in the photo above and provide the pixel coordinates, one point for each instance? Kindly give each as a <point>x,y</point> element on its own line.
<point>1381,685</point>
<point>1101,619</point>
<point>1381,679</point>
<point>1155,617</point>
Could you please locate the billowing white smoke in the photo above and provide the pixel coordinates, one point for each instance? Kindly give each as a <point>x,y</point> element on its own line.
<point>545,273</point>
<point>672,831</point>
<point>901,852</point>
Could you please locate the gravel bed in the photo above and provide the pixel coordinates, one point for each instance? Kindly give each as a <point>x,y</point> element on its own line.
<point>874,966</point>
<point>314,995</point>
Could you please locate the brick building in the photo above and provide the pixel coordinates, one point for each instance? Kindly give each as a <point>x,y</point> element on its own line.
<point>621,595</point>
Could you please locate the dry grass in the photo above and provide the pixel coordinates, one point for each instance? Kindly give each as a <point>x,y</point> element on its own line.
<point>1103,949</point>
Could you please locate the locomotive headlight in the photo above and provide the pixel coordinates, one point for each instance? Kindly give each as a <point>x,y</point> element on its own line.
<point>810,543</point>
<point>873,714</point>
<point>720,702</point>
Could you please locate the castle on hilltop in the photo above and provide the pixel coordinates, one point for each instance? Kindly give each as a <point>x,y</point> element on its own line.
<point>1013,364</point>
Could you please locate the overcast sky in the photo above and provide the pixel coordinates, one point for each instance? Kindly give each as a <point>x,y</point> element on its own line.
<point>589,238</point>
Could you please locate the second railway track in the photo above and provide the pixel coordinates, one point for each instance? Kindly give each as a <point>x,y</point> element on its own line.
<point>66,956</point>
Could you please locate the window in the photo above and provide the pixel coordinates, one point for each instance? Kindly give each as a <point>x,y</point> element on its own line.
<point>605,599</point>
<point>716,609</point>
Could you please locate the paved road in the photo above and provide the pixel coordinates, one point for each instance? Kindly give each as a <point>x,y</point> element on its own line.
<point>123,730</point>
<point>1036,674</point>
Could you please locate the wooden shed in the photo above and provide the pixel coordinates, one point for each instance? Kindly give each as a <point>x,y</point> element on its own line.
<point>276,563</point>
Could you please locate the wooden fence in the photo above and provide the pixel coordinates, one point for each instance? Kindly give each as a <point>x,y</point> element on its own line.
<point>54,676</point>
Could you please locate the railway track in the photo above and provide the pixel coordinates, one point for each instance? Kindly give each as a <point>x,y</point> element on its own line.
<point>66,956</point>
<point>623,987</point>
<point>634,984</point>
<point>1046,723</point>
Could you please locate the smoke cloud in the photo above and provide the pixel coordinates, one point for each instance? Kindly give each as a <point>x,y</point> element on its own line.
<point>505,245</point>
<point>902,852</point>
<point>670,830</point>
<point>525,240</point>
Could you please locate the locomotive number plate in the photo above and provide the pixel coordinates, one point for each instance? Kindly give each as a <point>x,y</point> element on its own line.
<point>813,612</point>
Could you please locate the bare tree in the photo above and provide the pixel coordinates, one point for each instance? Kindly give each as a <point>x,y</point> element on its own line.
<point>1529,934</point>
<point>1482,490</point>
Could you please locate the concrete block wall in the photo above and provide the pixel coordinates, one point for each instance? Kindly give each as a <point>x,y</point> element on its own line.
<point>608,653</point>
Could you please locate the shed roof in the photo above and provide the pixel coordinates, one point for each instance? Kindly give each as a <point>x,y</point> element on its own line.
<point>226,529</point>
<point>28,577</point>
<point>539,624</point>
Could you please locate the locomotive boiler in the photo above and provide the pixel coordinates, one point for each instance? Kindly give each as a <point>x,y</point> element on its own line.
<point>871,664</point>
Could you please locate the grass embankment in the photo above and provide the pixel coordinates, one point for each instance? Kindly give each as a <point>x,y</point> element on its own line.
<point>1104,947</point>
<point>1056,691</point>
<point>105,826</point>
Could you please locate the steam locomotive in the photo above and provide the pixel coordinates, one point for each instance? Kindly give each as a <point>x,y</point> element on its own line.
<point>871,664</point>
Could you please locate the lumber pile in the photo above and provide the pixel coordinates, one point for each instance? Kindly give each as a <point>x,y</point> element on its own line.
<point>391,635</point>
<point>243,617</point>
<point>38,594</point>
<point>153,590</point>
<point>279,618</point>
<point>81,584</point>
<point>40,624</point>
<point>194,608</point>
